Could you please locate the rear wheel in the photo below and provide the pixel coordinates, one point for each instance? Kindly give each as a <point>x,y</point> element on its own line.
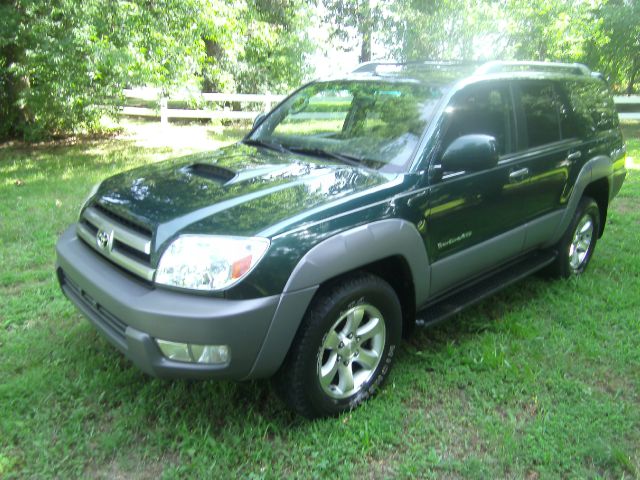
<point>344,347</point>
<point>579,241</point>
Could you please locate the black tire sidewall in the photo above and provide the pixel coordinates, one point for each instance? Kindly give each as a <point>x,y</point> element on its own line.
<point>369,290</point>
<point>589,207</point>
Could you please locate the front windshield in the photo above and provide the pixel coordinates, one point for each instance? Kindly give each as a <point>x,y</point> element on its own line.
<point>374,122</point>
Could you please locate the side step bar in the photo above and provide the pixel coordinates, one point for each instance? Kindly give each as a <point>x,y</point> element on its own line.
<point>443,308</point>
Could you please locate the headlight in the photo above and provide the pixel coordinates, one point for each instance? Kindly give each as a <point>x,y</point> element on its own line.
<point>209,262</point>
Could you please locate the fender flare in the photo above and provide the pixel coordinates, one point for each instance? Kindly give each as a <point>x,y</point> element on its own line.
<point>361,246</point>
<point>595,169</point>
<point>339,254</point>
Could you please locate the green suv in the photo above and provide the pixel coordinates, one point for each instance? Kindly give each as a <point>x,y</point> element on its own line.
<point>358,208</point>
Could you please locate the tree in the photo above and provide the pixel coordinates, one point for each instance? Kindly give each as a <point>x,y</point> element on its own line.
<point>263,47</point>
<point>437,30</point>
<point>549,29</point>
<point>355,21</point>
<point>64,62</point>
<point>604,34</point>
<point>616,47</point>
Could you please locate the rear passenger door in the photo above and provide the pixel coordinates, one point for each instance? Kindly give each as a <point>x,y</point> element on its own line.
<point>543,159</point>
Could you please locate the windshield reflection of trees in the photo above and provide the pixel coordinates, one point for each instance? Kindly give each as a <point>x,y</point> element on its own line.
<point>382,121</point>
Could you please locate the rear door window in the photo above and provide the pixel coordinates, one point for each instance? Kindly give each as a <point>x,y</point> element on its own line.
<point>540,108</point>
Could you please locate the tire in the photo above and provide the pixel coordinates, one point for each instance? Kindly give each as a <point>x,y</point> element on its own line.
<point>576,246</point>
<point>344,347</point>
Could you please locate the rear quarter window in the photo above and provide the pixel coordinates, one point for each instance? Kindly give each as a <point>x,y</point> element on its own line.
<point>592,107</point>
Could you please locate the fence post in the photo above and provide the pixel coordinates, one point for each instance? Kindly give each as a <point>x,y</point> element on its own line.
<point>267,103</point>
<point>164,114</point>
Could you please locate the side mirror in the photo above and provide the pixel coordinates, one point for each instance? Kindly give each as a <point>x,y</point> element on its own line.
<point>470,153</point>
<point>258,120</point>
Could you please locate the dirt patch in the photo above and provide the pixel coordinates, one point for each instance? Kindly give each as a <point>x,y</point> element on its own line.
<point>625,205</point>
<point>128,467</point>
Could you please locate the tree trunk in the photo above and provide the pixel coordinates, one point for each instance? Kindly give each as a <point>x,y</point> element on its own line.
<point>365,51</point>
<point>214,52</point>
<point>632,75</point>
<point>366,31</point>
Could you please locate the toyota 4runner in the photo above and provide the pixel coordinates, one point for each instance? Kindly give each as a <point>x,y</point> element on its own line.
<point>358,208</point>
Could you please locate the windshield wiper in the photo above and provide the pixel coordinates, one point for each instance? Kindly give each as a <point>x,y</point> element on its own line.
<point>263,143</point>
<point>319,152</point>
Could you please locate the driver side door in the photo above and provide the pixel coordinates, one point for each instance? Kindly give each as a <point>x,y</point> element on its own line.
<point>473,218</point>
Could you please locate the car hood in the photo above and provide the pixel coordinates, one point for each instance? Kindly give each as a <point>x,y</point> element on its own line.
<point>238,190</point>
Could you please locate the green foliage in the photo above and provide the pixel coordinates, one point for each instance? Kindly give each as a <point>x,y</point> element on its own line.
<point>64,63</point>
<point>615,47</point>
<point>436,29</point>
<point>605,34</point>
<point>356,20</point>
<point>256,45</point>
<point>276,45</point>
<point>549,29</point>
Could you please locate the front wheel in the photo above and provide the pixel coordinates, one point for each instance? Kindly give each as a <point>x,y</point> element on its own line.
<point>344,347</point>
<point>576,246</point>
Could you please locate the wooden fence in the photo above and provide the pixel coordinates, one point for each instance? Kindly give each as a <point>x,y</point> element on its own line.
<point>264,102</point>
<point>629,105</point>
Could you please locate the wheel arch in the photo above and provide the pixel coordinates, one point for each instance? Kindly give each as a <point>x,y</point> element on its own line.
<point>396,272</point>
<point>383,248</point>
<point>595,180</point>
<point>361,246</point>
<point>599,190</point>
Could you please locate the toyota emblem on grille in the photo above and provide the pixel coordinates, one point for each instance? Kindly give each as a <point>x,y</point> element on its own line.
<point>103,239</point>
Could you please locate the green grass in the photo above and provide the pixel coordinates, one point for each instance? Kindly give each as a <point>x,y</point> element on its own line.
<point>540,381</point>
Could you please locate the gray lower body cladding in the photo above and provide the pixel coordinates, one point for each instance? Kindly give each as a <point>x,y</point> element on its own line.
<point>132,314</point>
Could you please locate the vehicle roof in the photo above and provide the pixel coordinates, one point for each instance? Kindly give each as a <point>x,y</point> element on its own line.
<point>447,74</point>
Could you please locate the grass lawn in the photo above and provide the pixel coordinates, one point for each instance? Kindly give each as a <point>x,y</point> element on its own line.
<point>540,381</point>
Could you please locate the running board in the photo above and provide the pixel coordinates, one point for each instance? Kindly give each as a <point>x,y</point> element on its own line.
<point>441,309</point>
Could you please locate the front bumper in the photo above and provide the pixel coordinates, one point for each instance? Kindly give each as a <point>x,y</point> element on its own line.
<point>131,314</point>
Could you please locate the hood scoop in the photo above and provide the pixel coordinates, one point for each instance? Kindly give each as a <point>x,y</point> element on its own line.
<point>211,171</point>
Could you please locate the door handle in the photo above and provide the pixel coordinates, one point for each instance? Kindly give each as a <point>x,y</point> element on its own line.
<point>518,174</point>
<point>574,155</point>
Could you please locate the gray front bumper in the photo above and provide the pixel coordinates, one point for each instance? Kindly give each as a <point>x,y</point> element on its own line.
<point>131,314</point>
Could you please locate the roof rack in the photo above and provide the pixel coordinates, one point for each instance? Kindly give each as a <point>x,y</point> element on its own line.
<point>371,67</point>
<point>375,66</point>
<point>500,67</point>
<point>497,66</point>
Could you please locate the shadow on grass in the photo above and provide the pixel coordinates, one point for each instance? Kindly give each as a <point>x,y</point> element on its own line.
<point>65,161</point>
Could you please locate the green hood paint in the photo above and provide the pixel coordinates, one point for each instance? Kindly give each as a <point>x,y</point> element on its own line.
<point>238,190</point>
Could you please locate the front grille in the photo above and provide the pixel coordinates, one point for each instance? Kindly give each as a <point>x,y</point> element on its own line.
<point>123,221</point>
<point>124,243</point>
<point>132,252</point>
<point>113,324</point>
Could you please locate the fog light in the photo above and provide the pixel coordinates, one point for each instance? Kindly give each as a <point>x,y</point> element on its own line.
<point>209,353</point>
<point>186,352</point>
